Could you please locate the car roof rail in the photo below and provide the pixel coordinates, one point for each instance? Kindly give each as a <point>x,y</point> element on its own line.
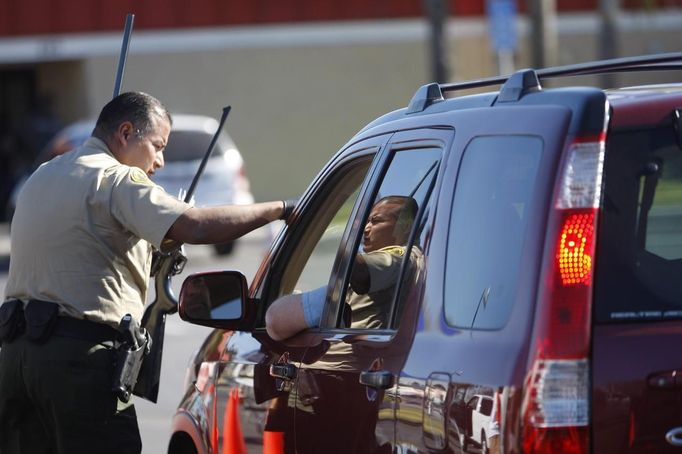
<point>432,93</point>
<point>425,96</point>
<point>518,84</point>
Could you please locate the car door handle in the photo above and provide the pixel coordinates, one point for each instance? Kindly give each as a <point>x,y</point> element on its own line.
<point>286,371</point>
<point>669,379</point>
<point>378,379</point>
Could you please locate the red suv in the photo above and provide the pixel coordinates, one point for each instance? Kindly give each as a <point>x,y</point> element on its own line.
<point>536,308</point>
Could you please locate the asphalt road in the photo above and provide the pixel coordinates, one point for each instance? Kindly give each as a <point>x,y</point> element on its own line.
<point>181,339</point>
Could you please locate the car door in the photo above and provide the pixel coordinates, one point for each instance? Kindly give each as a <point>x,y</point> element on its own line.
<point>345,383</point>
<point>479,291</point>
<point>302,259</point>
<point>257,375</point>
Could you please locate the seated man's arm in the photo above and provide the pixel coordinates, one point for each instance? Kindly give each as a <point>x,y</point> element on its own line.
<point>291,314</point>
<point>376,270</point>
<point>359,277</point>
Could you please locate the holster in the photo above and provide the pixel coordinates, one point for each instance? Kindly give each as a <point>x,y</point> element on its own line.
<point>129,356</point>
<point>128,363</point>
<point>11,320</point>
<point>41,317</point>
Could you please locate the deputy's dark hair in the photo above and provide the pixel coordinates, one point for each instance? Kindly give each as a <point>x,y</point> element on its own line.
<point>136,107</point>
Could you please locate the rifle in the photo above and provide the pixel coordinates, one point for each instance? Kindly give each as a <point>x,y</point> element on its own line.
<point>136,341</point>
<point>127,30</point>
<point>165,265</point>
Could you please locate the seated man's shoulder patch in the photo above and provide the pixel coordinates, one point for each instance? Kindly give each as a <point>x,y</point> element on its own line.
<point>394,250</point>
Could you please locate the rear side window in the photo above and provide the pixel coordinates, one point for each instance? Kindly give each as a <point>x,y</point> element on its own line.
<point>639,252</point>
<point>489,220</point>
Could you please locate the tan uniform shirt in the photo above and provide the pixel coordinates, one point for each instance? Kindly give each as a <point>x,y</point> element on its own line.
<point>372,309</point>
<point>82,234</point>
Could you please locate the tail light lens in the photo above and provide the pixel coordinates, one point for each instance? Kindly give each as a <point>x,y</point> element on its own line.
<point>573,252</point>
<point>556,401</point>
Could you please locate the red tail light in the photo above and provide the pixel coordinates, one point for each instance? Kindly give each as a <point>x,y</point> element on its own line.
<point>556,399</point>
<point>574,251</point>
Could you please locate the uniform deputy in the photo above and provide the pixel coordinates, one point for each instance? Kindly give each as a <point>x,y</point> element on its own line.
<point>82,237</point>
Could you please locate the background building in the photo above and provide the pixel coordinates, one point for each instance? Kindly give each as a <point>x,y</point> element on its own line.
<point>301,75</point>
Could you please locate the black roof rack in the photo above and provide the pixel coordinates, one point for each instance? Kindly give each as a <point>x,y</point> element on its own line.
<point>523,82</point>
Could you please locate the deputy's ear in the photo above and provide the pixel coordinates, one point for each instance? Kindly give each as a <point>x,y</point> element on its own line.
<point>125,132</point>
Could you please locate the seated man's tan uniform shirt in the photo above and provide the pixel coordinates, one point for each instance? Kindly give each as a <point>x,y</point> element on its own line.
<point>371,310</point>
<point>82,235</point>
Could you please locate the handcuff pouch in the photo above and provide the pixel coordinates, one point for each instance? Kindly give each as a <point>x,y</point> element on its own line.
<point>11,320</point>
<point>41,318</point>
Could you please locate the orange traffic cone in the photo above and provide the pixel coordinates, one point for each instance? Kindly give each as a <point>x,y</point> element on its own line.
<point>273,442</point>
<point>233,440</point>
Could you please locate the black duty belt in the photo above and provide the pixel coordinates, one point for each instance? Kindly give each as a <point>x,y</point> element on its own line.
<point>40,319</point>
<point>84,330</point>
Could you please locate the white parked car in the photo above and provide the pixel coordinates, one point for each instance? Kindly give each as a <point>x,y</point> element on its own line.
<point>224,180</point>
<point>479,409</point>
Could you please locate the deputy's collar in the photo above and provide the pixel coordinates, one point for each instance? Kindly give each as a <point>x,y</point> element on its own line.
<point>98,144</point>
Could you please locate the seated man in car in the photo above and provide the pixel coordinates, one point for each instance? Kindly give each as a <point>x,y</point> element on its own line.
<point>373,278</point>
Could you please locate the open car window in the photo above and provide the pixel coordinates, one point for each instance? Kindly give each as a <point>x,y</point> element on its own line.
<point>384,255</point>
<point>310,262</point>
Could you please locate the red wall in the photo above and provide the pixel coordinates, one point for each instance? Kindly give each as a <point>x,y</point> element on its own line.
<point>36,17</point>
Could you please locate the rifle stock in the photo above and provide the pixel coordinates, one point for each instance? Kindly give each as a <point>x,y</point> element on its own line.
<point>154,321</point>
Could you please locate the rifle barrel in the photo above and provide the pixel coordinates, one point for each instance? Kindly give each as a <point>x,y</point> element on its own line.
<point>130,19</point>
<point>195,180</point>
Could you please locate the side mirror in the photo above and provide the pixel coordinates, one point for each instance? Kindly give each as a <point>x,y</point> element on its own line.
<point>216,299</point>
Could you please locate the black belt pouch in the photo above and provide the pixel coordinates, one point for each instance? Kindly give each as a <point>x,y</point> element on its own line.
<point>11,320</point>
<point>41,318</point>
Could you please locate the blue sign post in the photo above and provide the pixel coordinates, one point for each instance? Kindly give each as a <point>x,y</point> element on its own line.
<point>503,36</point>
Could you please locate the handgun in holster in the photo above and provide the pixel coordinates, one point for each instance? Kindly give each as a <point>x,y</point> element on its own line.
<point>134,346</point>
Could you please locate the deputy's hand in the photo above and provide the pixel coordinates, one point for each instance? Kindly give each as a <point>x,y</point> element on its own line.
<point>289,206</point>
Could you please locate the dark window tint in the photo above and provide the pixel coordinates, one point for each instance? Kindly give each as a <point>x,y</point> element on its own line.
<point>639,255</point>
<point>489,219</point>
<point>192,145</point>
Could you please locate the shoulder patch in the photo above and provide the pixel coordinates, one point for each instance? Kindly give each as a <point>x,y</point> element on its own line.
<point>138,176</point>
<point>394,250</point>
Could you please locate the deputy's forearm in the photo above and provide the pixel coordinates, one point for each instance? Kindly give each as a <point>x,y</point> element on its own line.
<point>220,224</point>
